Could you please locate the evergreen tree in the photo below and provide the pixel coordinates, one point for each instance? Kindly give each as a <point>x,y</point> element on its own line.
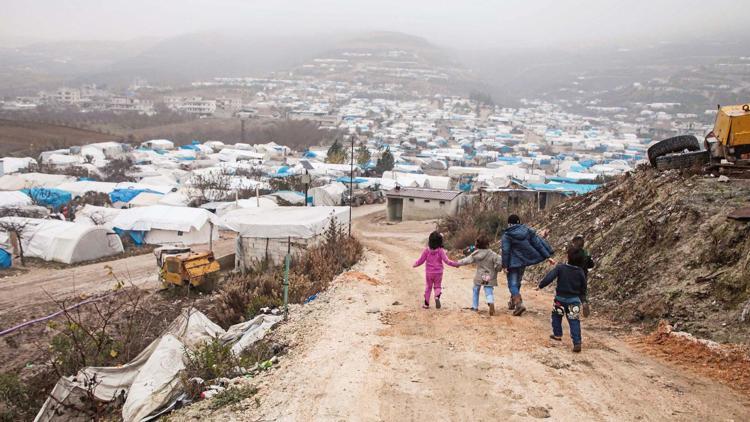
<point>386,161</point>
<point>336,153</point>
<point>363,154</point>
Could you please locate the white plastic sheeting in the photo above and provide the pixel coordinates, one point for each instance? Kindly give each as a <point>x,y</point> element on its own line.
<point>32,180</point>
<point>224,207</point>
<point>150,382</point>
<point>63,241</point>
<point>80,188</point>
<point>14,199</point>
<point>282,222</point>
<point>15,164</point>
<point>165,224</point>
<point>328,195</point>
<point>93,215</point>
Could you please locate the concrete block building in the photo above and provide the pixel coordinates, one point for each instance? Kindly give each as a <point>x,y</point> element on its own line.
<point>422,204</point>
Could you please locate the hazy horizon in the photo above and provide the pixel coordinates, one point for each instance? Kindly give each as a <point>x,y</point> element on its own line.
<point>470,25</point>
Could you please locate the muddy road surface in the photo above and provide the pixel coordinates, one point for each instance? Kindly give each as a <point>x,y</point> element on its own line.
<point>365,350</point>
<point>32,294</point>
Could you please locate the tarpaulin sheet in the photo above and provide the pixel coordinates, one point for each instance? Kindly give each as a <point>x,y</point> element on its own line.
<point>150,382</point>
<point>50,197</point>
<point>127,194</point>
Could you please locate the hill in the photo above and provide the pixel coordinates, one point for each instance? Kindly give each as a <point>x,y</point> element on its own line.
<point>665,249</point>
<point>30,138</point>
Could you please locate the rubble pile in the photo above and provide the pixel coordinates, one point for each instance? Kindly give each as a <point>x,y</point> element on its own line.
<point>665,249</point>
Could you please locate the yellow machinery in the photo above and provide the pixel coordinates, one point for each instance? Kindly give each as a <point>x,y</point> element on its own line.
<point>729,141</point>
<point>180,266</point>
<point>730,138</point>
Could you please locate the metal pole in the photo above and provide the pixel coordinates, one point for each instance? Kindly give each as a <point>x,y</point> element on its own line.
<point>307,185</point>
<point>351,185</point>
<point>286,276</point>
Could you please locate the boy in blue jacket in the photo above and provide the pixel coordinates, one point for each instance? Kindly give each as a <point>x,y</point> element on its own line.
<point>521,247</point>
<point>570,294</point>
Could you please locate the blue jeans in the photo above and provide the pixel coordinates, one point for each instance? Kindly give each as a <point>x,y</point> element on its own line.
<point>487,294</point>
<point>514,276</point>
<point>571,308</point>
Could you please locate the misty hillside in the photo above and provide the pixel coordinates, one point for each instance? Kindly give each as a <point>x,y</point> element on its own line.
<point>186,58</point>
<point>602,74</point>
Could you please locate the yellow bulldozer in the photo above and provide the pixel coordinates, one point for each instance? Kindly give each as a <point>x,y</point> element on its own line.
<point>180,266</point>
<point>727,146</point>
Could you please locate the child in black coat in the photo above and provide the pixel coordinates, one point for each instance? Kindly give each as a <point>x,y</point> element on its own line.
<point>570,294</point>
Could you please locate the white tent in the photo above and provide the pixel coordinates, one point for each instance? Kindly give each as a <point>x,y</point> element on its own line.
<point>165,224</point>
<point>32,180</point>
<point>145,199</point>
<point>328,195</point>
<point>283,222</point>
<point>14,199</point>
<point>81,187</point>
<point>96,216</point>
<point>158,144</point>
<point>14,164</point>
<point>63,241</point>
<point>221,208</point>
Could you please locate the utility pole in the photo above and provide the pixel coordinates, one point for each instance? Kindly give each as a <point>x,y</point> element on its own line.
<point>351,184</point>
<point>287,260</point>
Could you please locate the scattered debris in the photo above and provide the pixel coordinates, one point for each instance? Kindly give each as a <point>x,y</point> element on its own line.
<point>538,412</point>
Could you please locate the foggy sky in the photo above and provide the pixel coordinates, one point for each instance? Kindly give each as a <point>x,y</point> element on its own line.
<point>456,23</point>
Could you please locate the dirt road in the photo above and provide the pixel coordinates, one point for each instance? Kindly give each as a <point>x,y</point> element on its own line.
<point>27,295</point>
<point>364,350</point>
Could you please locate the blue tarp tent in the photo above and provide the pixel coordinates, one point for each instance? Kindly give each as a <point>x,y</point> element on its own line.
<point>137,236</point>
<point>126,195</point>
<point>577,188</point>
<point>190,147</point>
<point>5,259</point>
<point>49,197</point>
<point>345,180</point>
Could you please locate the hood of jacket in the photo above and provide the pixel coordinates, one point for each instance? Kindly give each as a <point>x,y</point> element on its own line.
<point>518,232</point>
<point>481,254</point>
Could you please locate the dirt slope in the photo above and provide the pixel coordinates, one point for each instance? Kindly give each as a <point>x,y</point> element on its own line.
<point>364,350</point>
<point>665,249</point>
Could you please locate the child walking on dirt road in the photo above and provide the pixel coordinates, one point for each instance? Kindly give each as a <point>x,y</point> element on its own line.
<point>521,247</point>
<point>433,257</point>
<point>488,264</point>
<point>570,294</point>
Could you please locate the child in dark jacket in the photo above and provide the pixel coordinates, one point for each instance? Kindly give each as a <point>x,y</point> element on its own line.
<point>588,263</point>
<point>521,247</point>
<point>570,293</point>
<point>434,256</point>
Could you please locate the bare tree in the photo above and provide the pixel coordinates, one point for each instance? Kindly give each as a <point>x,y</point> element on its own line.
<point>209,187</point>
<point>16,228</point>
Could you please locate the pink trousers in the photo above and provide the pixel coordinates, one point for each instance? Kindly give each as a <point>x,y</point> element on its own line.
<point>432,281</point>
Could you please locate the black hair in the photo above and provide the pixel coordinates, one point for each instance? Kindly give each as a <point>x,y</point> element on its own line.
<point>576,256</point>
<point>578,241</point>
<point>435,240</point>
<point>514,219</point>
<point>483,242</point>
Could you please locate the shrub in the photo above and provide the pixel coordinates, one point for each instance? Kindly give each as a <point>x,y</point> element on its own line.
<point>310,272</point>
<point>232,395</point>
<point>484,216</point>
<point>14,398</point>
<point>211,360</point>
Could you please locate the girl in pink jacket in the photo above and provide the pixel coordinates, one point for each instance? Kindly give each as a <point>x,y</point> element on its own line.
<point>434,256</point>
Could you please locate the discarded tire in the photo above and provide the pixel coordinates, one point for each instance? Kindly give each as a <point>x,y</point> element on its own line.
<point>682,161</point>
<point>672,145</point>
